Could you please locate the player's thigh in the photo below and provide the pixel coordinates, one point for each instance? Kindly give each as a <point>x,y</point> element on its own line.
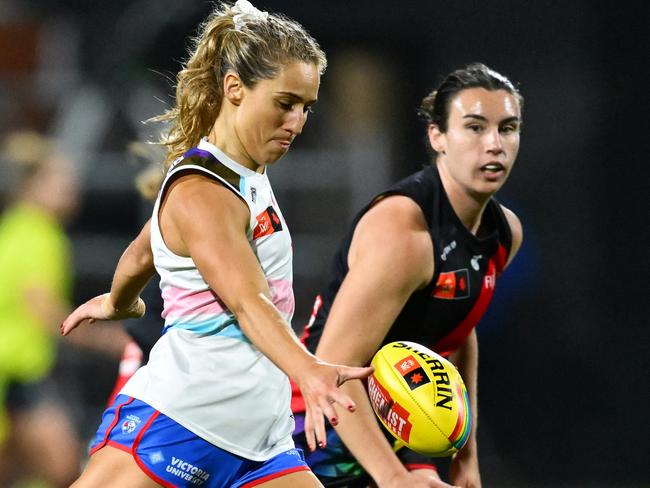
<point>300,479</point>
<point>113,468</point>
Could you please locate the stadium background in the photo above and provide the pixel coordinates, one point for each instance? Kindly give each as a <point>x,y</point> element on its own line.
<point>564,349</point>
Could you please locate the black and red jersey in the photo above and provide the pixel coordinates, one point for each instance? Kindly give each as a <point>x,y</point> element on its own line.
<point>441,315</point>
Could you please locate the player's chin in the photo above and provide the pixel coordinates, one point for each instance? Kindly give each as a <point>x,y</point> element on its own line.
<point>490,184</point>
<point>274,157</point>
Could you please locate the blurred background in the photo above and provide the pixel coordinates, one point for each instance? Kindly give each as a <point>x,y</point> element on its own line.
<point>563,381</point>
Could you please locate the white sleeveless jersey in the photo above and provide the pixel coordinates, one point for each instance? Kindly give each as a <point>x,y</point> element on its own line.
<point>203,372</point>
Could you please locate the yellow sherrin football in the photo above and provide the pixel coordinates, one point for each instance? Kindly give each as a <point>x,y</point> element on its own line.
<point>420,397</point>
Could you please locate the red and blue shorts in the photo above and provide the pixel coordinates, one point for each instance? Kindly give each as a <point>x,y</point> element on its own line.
<point>174,457</point>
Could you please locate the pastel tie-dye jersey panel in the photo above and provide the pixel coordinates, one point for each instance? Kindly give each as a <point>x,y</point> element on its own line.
<point>203,372</point>
<point>203,312</point>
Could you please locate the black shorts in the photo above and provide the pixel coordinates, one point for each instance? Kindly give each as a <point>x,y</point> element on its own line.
<point>25,396</point>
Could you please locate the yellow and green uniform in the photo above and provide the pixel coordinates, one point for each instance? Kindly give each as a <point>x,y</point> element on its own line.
<point>34,254</point>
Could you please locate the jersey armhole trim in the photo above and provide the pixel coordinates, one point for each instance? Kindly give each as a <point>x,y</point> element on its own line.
<point>186,170</point>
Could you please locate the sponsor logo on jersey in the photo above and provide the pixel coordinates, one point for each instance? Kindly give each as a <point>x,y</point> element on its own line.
<point>412,372</point>
<point>392,413</point>
<point>253,194</point>
<point>130,424</point>
<point>453,285</point>
<point>474,262</point>
<point>447,249</point>
<point>489,281</point>
<point>268,222</point>
<point>188,472</point>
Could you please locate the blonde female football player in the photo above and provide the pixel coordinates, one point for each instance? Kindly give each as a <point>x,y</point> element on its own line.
<point>211,407</point>
<point>420,264</point>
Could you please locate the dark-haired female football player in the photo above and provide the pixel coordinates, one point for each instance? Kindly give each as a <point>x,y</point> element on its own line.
<point>420,264</point>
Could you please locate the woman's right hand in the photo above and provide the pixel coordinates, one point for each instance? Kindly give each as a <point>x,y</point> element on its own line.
<point>101,308</point>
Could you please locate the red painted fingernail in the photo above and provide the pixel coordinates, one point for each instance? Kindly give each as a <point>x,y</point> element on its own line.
<point>351,408</point>
<point>320,444</point>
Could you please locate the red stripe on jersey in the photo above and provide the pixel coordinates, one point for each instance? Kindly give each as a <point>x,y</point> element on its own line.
<point>318,302</point>
<point>500,259</point>
<point>455,338</point>
<point>297,401</point>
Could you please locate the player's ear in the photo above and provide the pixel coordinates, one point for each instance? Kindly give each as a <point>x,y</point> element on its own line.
<point>437,138</point>
<point>233,88</point>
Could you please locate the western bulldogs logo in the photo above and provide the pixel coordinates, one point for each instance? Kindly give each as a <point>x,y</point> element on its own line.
<point>130,424</point>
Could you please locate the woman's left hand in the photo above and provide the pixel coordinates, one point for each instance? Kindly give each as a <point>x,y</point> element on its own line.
<point>319,384</point>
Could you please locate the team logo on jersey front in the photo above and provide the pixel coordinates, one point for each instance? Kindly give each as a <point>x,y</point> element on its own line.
<point>453,285</point>
<point>268,222</point>
<point>130,424</point>
<point>412,372</point>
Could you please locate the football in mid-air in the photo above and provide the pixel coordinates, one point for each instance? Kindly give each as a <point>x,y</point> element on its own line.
<point>420,397</point>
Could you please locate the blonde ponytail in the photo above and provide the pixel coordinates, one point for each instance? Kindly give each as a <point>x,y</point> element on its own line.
<point>256,50</point>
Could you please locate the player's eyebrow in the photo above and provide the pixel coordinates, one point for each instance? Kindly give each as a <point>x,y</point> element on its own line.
<point>475,116</point>
<point>513,118</point>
